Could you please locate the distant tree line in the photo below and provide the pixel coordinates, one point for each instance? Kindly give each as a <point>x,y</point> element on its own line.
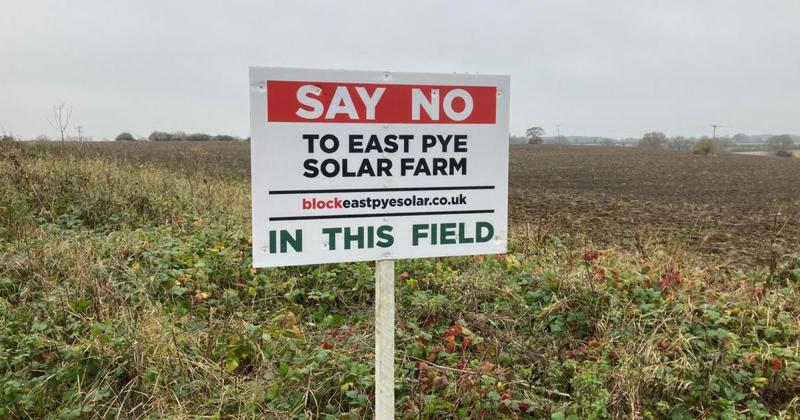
<point>6,137</point>
<point>778,144</point>
<point>781,142</point>
<point>180,136</point>
<point>702,146</point>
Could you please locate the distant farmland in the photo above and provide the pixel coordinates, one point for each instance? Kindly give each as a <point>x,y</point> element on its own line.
<point>744,208</point>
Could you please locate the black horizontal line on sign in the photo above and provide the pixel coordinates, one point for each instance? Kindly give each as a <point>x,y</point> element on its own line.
<point>353,216</point>
<point>359,190</point>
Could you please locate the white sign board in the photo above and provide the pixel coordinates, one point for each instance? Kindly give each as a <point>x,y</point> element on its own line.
<point>364,165</point>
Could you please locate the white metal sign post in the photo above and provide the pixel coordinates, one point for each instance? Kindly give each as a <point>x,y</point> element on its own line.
<point>363,165</point>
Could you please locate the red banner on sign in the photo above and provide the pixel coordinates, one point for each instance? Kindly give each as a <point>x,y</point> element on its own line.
<point>330,102</point>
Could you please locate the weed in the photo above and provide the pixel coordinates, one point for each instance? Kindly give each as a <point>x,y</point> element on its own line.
<point>129,291</point>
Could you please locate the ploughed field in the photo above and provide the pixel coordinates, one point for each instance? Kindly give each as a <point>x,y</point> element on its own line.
<point>743,208</point>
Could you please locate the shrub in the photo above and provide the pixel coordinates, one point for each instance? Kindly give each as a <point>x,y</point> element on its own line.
<point>125,136</point>
<point>705,146</point>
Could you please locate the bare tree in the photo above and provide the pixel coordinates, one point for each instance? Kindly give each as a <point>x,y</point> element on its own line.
<point>534,135</point>
<point>680,143</point>
<point>654,140</point>
<point>61,116</point>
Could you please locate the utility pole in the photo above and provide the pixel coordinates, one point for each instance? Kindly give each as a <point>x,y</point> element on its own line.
<point>715,130</point>
<point>80,132</point>
<point>558,130</point>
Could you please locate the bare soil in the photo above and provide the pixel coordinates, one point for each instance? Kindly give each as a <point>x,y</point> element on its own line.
<point>746,208</point>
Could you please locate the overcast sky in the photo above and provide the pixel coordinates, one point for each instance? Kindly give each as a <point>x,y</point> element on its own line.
<point>608,68</point>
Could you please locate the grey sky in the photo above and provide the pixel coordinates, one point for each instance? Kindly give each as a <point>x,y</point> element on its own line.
<point>609,68</point>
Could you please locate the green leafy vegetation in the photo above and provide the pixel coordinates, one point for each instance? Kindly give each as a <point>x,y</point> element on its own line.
<point>129,290</point>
